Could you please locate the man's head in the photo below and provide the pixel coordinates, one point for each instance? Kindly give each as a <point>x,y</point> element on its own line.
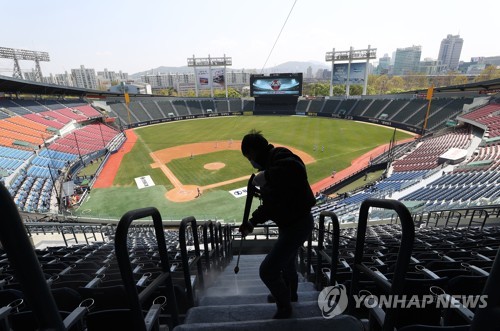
<point>253,147</point>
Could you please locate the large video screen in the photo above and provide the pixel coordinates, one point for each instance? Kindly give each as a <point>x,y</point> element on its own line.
<point>276,84</point>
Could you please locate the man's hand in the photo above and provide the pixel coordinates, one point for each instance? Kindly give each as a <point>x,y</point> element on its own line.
<point>259,179</point>
<point>245,228</point>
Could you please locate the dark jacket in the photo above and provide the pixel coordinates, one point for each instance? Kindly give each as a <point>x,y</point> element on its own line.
<point>287,196</point>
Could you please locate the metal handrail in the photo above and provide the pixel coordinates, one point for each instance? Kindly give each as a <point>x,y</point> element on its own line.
<point>190,221</point>
<point>219,244</point>
<point>23,259</point>
<point>208,227</point>
<point>123,258</point>
<point>335,245</point>
<point>228,239</point>
<point>396,285</point>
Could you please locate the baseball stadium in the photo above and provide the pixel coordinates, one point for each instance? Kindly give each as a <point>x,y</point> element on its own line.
<point>122,211</point>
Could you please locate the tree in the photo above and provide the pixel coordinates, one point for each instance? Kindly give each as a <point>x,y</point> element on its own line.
<point>231,93</point>
<point>381,83</point>
<point>322,89</point>
<point>396,83</point>
<point>370,90</point>
<point>169,92</point>
<point>316,89</point>
<point>490,72</point>
<point>415,81</point>
<point>356,90</point>
<point>338,89</point>
<point>459,80</point>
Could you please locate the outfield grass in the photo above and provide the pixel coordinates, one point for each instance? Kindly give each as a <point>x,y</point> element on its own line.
<point>333,143</point>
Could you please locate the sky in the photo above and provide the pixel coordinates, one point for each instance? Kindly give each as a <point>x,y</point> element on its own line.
<point>135,36</point>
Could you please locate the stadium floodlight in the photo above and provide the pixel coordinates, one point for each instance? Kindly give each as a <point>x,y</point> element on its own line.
<point>23,54</point>
<point>210,79</point>
<point>351,56</point>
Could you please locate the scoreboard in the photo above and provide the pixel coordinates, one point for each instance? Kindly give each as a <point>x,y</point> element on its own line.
<point>279,84</point>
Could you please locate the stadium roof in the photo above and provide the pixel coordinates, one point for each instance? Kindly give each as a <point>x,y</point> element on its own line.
<point>16,85</point>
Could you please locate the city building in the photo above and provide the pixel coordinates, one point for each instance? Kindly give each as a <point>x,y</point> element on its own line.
<point>491,60</point>
<point>406,60</point>
<point>135,88</point>
<point>449,52</point>
<point>384,64</point>
<point>64,79</point>
<point>430,67</point>
<point>112,76</point>
<point>309,73</point>
<point>177,80</point>
<point>84,78</point>
<point>106,79</point>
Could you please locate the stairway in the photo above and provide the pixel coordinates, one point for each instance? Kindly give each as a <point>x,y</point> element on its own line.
<point>239,302</point>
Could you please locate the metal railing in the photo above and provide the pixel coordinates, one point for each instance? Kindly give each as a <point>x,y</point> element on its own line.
<point>186,261</point>
<point>396,285</point>
<point>164,279</point>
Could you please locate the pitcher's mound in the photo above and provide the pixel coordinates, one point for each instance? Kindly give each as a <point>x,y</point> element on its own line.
<point>182,194</point>
<point>214,166</point>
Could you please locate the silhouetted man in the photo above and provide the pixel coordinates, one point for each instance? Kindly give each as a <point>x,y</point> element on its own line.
<point>287,200</point>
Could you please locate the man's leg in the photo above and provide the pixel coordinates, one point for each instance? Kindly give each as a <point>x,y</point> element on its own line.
<point>270,273</point>
<point>281,257</point>
<point>291,278</point>
<point>290,271</point>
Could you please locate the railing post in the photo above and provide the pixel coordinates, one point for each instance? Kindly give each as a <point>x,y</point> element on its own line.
<point>206,252</point>
<point>335,245</point>
<point>191,221</point>
<point>396,286</point>
<point>123,258</point>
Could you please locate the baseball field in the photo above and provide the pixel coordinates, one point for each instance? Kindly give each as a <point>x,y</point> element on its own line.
<point>193,165</point>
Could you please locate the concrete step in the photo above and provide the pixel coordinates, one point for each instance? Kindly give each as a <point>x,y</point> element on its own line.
<point>248,257</point>
<point>239,313</point>
<point>241,282</point>
<point>251,299</point>
<point>231,277</point>
<point>342,322</point>
<point>237,289</point>
<point>242,268</point>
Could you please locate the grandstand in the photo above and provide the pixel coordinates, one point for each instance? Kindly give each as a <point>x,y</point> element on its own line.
<point>433,226</point>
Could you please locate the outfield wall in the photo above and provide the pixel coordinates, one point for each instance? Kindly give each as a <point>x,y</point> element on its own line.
<point>180,118</point>
<point>397,125</point>
<point>402,126</point>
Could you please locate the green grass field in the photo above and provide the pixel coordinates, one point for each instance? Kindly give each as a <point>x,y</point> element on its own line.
<point>341,142</point>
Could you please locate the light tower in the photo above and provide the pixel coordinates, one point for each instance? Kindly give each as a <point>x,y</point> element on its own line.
<point>23,54</point>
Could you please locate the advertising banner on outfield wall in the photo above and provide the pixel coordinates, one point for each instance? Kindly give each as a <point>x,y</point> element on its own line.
<point>356,76</point>
<point>180,118</point>
<point>204,76</point>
